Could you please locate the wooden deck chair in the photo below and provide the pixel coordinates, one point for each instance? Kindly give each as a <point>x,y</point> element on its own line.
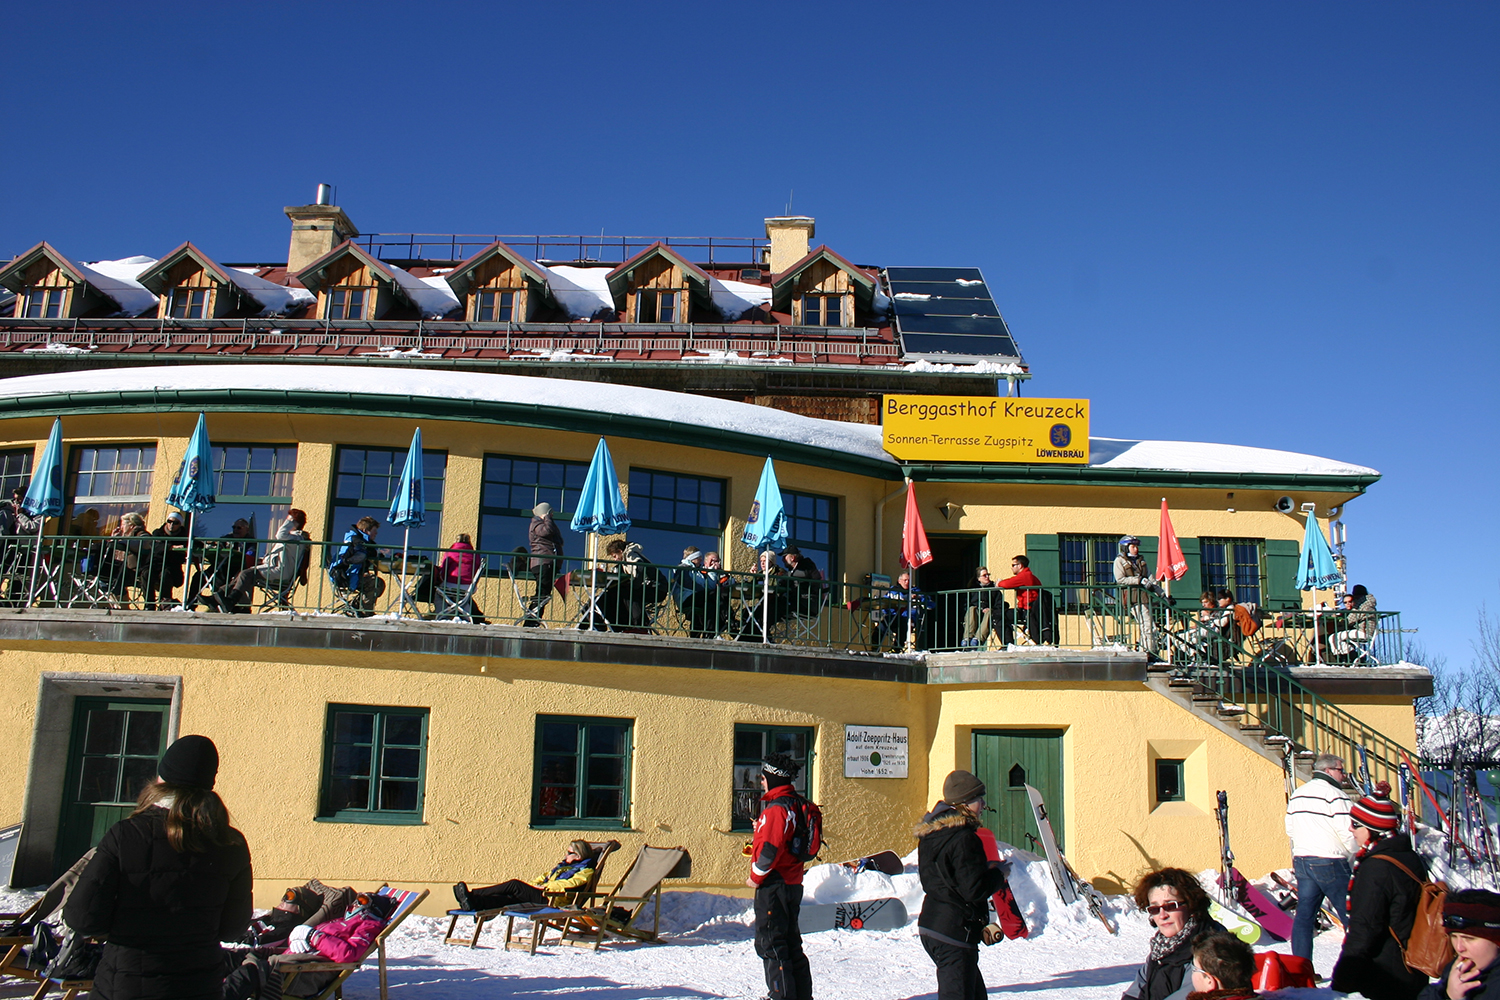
<point>406,901</point>
<point>556,900</point>
<point>622,912</point>
<point>70,988</point>
<point>11,944</point>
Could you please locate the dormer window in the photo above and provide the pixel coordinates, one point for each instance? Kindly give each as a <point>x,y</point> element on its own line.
<point>347,303</point>
<point>653,306</point>
<point>495,307</point>
<point>823,310</point>
<point>189,303</point>
<point>45,303</point>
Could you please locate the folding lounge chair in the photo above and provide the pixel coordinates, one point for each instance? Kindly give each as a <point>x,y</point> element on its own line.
<point>556,900</point>
<point>11,944</point>
<point>622,912</point>
<point>455,602</point>
<point>406,901</point>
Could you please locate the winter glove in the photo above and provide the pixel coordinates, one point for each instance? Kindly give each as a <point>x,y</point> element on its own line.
<point>298,942</point>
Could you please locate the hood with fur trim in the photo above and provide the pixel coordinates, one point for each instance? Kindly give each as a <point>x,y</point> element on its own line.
<point>942,817</point>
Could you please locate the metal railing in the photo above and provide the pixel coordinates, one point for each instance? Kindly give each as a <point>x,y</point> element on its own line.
<point>742,251</point>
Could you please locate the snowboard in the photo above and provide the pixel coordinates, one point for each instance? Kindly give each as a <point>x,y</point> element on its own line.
<point>1069,886</point>
<point>1238,890</point>
<point>887,862</point>
<point>1240,926</point>
<point>1007,912</point>
<point>1326,916</point>
<point>865,915</point>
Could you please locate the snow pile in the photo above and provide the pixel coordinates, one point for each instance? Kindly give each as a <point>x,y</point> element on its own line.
<point>978,368</point>
<point>58,349</point>
<point>736,358</point>
<point>396,352</point>
<point>968,282</point>
<point>431,295</point>
<point>276,300</point>
<point>735,298</point>
<point>1192,456</point>
<point>912,296</point>
<point>581,291</point>
<point>116,278</point>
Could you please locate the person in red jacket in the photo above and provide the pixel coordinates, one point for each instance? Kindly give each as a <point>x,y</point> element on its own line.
<point>1025,583</point>
<point>776,877</point>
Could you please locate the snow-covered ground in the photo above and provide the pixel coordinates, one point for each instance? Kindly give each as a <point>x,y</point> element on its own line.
<point>1069,955</point>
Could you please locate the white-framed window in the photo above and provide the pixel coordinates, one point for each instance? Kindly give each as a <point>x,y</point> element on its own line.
<point>347,303</point>
<point>652,306</point>
<point>189,303</point>
<point>495,307</point>
<point>45,303</point>
<point>822,310</point>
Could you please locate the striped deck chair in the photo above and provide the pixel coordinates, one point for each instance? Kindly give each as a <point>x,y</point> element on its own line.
<point>620,913</point>
<point>406,901</point>
<point>556,900</point>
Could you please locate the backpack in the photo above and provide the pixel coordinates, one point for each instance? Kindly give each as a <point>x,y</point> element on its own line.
<point>807,828</point>
<point>1247,621</point>
<point>1427,949</point>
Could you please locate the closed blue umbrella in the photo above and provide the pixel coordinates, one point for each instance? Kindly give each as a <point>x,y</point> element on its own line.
<point>44,497</point>
<point>1316,571</point>
<point>766,530</point>
<point>600,509</point>
<point>407,506</point>
<point>193,489</point>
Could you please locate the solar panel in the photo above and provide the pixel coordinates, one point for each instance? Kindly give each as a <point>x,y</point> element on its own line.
<point>947,313</point>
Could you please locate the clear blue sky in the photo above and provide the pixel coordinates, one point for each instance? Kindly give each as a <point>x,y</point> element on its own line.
<point>1270,224</point>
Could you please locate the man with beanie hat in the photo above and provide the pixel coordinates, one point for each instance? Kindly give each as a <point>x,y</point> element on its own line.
<point>1472,918</point>
<point>1317,821</point>
<point>573,872</point>
<point>959,880</point>
<point>776,877</point>
<point>1383,897</point>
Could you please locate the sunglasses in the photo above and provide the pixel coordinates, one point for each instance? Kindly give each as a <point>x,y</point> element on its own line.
<point>1454,922</point>
<point>1171,906</point>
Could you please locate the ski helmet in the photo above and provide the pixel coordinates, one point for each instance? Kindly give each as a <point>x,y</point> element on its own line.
<point>1126,541</point>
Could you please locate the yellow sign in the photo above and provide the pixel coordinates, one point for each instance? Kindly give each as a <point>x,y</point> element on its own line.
<point>986,429</point>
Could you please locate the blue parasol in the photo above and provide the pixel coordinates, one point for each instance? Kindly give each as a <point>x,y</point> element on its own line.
<point>193,489</point>
<point>600,510</point>
<point>1316,571</point>
<point>44,497</point>
<point>766,531</point>
<point>407,507</point>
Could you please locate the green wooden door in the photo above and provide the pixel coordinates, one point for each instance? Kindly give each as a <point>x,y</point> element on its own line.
<point>113,751</point>
<point>1007,760</point>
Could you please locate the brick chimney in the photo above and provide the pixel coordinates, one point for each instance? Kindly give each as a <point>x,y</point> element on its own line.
<point>316,229</point>
<point>791,237</point>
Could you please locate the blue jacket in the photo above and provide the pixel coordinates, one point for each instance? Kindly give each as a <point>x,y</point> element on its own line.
<point>352,557</point>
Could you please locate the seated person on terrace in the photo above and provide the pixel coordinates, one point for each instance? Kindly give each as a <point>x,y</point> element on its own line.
<point>633,589</point>
<point>571,873</point>
<point>984,599</point>
<point>895,624</point>
<point>1361,619</point>
<point>762,615</point>
<point>283,566</point>
<point>355,567</point>
<point>702,591</point>
<point>226,557</point>
<point>804,582</point>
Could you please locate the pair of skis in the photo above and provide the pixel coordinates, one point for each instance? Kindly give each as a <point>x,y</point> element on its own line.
<point>1247,899</point>
<point>1069,886</point>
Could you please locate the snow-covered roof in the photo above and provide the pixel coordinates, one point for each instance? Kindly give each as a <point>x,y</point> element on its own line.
<point>116,278</point>
<point>275,299</point>
<point>734,298</point>
<point>431,295</point>
<point>582,291</point>
<point>857,440</point>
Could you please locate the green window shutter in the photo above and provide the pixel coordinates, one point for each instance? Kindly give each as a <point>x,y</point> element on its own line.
<point>1280,584</point>
<point>1191,584</point>
<point>1045,562</point>
<point>1148,552</point>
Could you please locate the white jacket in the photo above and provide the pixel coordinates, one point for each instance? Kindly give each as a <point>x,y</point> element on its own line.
<point>1317,820</point>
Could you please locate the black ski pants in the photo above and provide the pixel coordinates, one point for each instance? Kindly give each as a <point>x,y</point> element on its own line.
<point>778,941</point>
<point>957,970</point>
<point>495,897</point>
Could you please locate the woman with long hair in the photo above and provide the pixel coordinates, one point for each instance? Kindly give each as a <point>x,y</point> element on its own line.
<point>1177,907</point>
<point>166,885</point>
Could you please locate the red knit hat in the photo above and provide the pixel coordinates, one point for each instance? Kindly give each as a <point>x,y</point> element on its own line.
<point>1377,811</point>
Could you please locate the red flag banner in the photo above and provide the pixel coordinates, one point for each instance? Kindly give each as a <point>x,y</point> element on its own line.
<point>1170,562</point>
<point>915,550</point>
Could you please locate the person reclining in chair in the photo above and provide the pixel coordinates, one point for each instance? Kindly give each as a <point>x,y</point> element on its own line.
<point>571,873</point>
<point>354,569</point>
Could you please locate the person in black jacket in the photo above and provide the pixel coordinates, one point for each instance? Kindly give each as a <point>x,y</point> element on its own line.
<point>959,881</point>
<point>545,540</point>
<point>1382,903</point>
<point>1178,908</point>
<point>166,885</point>
<point>1472,918</point>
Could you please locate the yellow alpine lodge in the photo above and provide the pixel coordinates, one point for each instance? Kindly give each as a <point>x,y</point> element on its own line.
<point>450,705</point>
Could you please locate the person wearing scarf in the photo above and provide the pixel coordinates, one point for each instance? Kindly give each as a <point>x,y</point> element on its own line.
<point>1472,919</point>
<point>1178,908</point>
<point>1382,904</point>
